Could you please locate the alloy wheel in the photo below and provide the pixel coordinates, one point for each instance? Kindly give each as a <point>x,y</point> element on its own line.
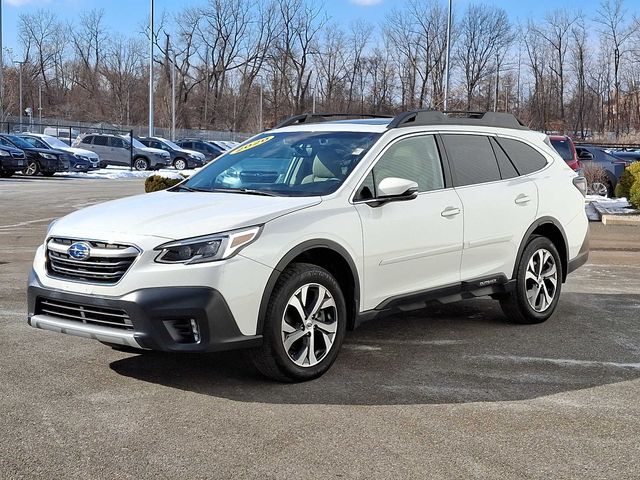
<point>309,325</point>
<point>140,164</point>
<point>541,280</point>
<point>32,168</point>
<point>180,164</point>
<point>598,188</point>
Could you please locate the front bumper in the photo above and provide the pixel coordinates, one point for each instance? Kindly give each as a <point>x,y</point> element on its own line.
<point>154,313</point>
<point>12,164</point>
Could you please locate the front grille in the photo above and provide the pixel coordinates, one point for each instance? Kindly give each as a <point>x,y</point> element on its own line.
<point>88,314</point>
<point>107,262</point>
<point>18,155</point>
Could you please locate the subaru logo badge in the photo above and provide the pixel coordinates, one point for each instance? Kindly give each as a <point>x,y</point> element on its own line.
<point>79,251</point>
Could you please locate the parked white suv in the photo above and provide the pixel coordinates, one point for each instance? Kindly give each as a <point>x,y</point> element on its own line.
<point>301,233</point>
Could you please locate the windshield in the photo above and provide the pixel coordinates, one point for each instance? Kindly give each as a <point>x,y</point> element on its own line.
<point>136,143</point>
<point>19,142</point>
<point>295,164</point>
<point>53,142</point>
<point>171,144</point>
<point>563,147</point>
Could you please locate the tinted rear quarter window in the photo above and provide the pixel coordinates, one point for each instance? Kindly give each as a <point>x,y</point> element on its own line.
<point>526,159</point>
<point>87,140</point>
<point>472,159</point>
<point>507,170</point>
<point>98,140</point>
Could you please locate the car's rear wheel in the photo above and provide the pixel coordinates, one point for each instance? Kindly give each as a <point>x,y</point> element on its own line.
<point>304,325</point>
<point>602,189</point>
<point>32,168</point>
<point>141,164</point>
<point>180,164</point>
<point>538,284</point>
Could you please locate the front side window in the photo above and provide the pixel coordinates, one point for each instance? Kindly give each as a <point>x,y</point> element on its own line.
<point>413,158</point>
<point>286,164</point>
<point>472,159</point>
<point>87,140</point>
<point>116,142</point>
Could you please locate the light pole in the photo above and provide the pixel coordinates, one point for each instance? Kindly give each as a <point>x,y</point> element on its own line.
<point>1,67</point>
<point>39,103</point>
<point>151,129</point>
<point>448,60</point>
<point>20,64</point>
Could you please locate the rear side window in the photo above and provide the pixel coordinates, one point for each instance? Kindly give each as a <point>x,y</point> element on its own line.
<point>116,142</point>
<point>87,140</point>
<point>100,141</point>
<point>472,159</point>
<point>526,159</point>
<point>507,170</point>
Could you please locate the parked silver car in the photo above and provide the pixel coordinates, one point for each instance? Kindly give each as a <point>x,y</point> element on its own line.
<point>117,150</point>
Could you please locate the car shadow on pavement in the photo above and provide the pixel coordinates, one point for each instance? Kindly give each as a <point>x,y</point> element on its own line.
<point>457,353</point>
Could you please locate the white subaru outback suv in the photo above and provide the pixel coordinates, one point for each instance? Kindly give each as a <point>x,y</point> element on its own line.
<point>302,232</point>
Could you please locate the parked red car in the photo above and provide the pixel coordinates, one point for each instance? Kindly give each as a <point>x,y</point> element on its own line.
<point>567,150</point>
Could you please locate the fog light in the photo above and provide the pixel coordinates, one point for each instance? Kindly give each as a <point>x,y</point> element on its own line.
<point>195,330</point>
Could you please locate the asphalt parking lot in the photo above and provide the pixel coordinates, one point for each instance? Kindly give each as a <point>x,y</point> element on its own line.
<point>450,392</point>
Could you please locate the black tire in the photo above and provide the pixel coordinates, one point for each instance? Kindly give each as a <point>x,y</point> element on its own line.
<point>515,304</point>
<point>6,173</point>
<point>141,164</point>
<point>123,348</point>
<point>180,164</point>
<point>271,358</point>
<point>32,169</point>
<point>103,165</point>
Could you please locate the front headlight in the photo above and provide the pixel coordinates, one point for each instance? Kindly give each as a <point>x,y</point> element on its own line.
<point>4,153</point>
<point>81,157</point>
<point>209,248</point>
<point>48,156</point>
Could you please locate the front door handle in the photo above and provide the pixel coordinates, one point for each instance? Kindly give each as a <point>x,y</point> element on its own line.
<point>450,212</point>
<point>522,199</point>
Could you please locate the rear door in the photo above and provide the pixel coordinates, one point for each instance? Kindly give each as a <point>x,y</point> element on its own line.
<point>119,151</point>
<point>101,147</point>
<point>499,204</point>
<point>415,245</point>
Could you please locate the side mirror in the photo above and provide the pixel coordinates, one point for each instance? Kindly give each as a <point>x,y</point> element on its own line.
<point>393,189</point>
<point>585,155</point>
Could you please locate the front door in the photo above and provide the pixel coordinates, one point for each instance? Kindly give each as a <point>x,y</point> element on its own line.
<point>415,245</point>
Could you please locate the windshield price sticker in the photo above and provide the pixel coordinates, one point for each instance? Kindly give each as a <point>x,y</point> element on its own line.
<point>251,145</point>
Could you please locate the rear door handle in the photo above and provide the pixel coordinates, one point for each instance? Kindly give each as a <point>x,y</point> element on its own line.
<point>450,212</point>
<point>522,199</point>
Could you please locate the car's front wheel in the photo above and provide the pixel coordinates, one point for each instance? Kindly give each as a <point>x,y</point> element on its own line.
<point>538,284</point>
<point>6,173</point>
<point>304,326</point>
<point>180,164</point>
<point>32,168</point>
<point>141,164</point>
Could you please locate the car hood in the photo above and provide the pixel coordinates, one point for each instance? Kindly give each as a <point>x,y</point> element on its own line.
<point>52,151</point>
<point>80,151</point>
<point>193,152</point>
<point>176,215</point>
<point>155,151</point>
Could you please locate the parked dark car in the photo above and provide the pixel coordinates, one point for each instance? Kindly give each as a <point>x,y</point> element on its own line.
<point>12,160</point>
<point>39,160</point>
<point>210,151</point>
<point>181,158</point>
<point>611,164</point>
<point>567,150</point>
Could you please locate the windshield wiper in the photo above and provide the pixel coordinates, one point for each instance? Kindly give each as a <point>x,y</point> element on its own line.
<point>246,191</point>
<point>188,189</point>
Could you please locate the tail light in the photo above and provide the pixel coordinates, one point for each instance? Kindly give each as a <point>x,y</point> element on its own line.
<point>581,184</point>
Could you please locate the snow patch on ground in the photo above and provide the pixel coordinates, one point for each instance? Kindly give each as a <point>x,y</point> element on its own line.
<point>596,206</point>
<point>117,173</point>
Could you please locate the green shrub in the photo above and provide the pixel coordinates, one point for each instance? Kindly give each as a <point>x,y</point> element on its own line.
<point>634,193</point>
<point>627,179</point>
<point>155,183</point>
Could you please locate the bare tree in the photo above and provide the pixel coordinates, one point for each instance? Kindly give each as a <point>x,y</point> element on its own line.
<point>485,32</point>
